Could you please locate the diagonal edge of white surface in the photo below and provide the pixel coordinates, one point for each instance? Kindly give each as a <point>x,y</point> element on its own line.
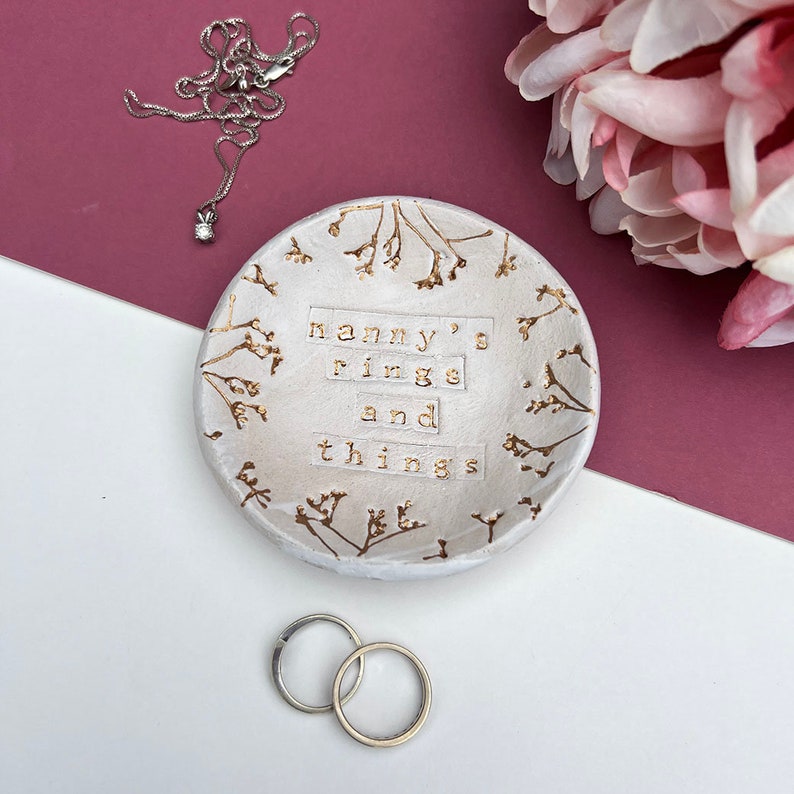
<point>632,643</point>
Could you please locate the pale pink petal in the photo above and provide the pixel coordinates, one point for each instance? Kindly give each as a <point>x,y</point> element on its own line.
<point>671,28</point>
<point>754,244</point>
<point>660,260</point>
<point>563,62</point>
<point>561,168</point>
<point>721,246</point>
<point>708,206</point>
<point>621,24</point>
<point>651,192</point>
<point>760,6</point>
<point>583,120</point>
<point>565,16</point>
<point>664,255</point>
<point>758,305</point>
<point>687,112</point>
<point>659,231</point>
<point>559,137</point>
<point>740,156</point>
<point>593,180</point>
<point>539,7</point>
<point>779,265</point>
<point>528,49</point>
<point>774,215</point>
<point>699,262</point>
<point>607,210</point>
<point>567,98</point>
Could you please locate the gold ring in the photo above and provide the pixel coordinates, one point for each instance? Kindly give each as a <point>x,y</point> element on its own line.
<point>338,701</point>
<point>275,664</point>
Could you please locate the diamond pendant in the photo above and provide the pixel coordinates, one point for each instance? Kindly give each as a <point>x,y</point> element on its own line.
<point>204,231</point>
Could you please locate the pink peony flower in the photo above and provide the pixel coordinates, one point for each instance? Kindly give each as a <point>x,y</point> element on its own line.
<point>677,119</point>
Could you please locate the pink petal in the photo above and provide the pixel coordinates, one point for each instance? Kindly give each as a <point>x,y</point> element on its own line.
<point>779,265</point>
<point>619,155</point>
<point>687,112</point>
<point>708,206</point>
<point>750,121</point>
<point>607,210</point>
<point>781,333</point>
<point>604,131</point>
<point>563,62</point>
<point>758,305</point>
<point>688,173</point>
<point>748,68</point>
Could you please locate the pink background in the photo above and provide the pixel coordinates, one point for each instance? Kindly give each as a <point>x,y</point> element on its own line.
<point>404,98</point>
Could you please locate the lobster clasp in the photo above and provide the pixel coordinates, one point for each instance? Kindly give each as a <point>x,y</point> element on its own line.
<point>275,71</point>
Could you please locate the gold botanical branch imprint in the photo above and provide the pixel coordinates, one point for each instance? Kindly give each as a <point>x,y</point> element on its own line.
<point>236,407</point>
<point>261,350</point>
<point>214,436</point>
<point>576,350</point>
<point>525,323</point>
<point>442,551</point>
<point>392,247</point>
<point>540,472</point>
<point>508,263</point>
<point>556,403</point>
<point>237,386</point>
<point>259,278</point>
<point>534,509</point>
<point>376,528</point>
<point>296,254</point>
<point>489,522</point>
<point>260,495</point>
<point>520,447</point>
<point>460,262</point>
<point>325,507</point>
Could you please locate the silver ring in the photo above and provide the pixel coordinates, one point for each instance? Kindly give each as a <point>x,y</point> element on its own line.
<point>338,701</point>
<point>275,664</point>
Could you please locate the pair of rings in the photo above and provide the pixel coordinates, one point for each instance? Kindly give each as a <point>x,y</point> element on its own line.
<point>339,700</point>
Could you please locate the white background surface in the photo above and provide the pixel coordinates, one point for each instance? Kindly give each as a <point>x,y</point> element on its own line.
<point>631,644</point>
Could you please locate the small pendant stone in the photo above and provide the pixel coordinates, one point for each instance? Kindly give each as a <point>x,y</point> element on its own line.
<point>205,233</point>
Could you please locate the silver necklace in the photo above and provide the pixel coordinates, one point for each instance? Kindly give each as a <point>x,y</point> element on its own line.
<point>239,85</point>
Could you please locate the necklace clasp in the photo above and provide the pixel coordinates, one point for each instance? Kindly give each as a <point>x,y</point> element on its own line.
<point>275,71</point>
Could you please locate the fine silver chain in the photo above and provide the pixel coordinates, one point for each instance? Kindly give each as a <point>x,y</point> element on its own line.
<point>238,85</point>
